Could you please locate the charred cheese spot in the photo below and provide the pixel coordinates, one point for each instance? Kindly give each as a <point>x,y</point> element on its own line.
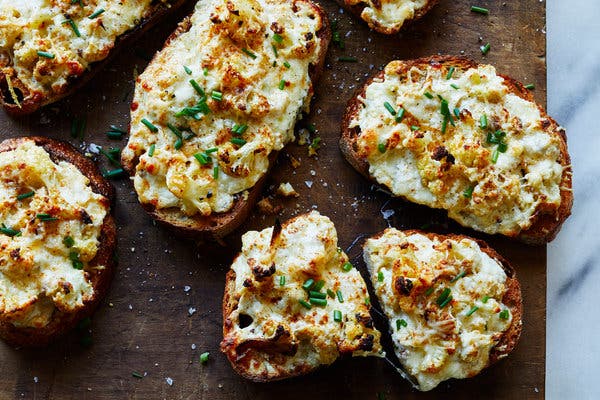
<point>36,272</point>
<point>438,343</point>
<point>388,15</point>
<point>229,49</point>
<point>268,330</point>
<point>435,168</point>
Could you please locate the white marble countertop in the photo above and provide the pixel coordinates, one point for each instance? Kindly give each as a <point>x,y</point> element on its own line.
<point>573,316</point>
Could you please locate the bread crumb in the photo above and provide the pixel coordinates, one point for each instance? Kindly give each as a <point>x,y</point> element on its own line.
<point>266,207</point>
<point>295,162</point>
<point>287,190</point>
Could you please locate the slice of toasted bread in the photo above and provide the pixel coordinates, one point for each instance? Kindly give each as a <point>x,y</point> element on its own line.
<point>454,305</point>
<point>272,326</point>
<point>416,128</point>
<point>39,66</point>
<point>388,17</point>
<point>225,93</point>
<point>78,240</point>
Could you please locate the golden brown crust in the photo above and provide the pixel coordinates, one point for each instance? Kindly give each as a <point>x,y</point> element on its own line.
<point>545,226</point>
<point>513,298</point>
<point>218,225</point>
<point>32,100</point>
<point>357,10</point>
<point>61,322</point>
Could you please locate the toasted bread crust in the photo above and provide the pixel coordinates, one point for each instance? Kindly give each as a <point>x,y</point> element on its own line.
<point>357,10</point>
<point>218,225</point>
<point>33,100</point>
<point>513,298</point>
<point>62,322</point>
<point>545,226</point>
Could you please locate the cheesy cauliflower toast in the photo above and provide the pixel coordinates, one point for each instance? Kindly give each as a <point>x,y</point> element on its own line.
<point>57,239</point>
<point>215,106</point>
<point>451,134</point>
<point>49,48</point>
<point>293,302</point>
<point>453,304</point>
<point>388,16</point>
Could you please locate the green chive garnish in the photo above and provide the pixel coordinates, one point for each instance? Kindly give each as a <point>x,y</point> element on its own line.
<point>282,84</point>
<point>457,113</point>
<point>202,158</point>
<point>468,193</point>
<point>502,147</point>
<point>24,196</point>
<point>46,217</point>
<point>151,150</point>
<point>277,38</point>
<point>472,310</point>
<point>414,127</point>
<point>400,114</point>
<point>380,276</point>
<point>367,301</point>
<point>282,280</point>
<point>389,107</point>
<point>239,129</point>
<point>216,172</point>
<point>238,141</point>
<point>485,49</point>
<point>68,241</point>
<point>485,299</point>
<point>274,51</point>
<point>530,86</point>
<point>347,266</point>
<point>204,357</point>
<point>443,296</point>
<point>249,53</point>
<point>149,125</point>
<point>495,155</point>
<point>305,304</point>
<point>454,86</point>
<point>429,291</point>
<point>214,149</point>
<point>197,87</point>
<point>286,64</point>
<point>428,95</point>
<point>316,295</point>
<point>9,232</point>
<point>381,147</point>
<point>205,71</point>
<point>45,54</point>
<point>96,13</point>
<point>347,59</point>
<point>450,72</point>
<point>318,302</point>
<point>330,293</point>
<point>445,302</point>
<point>340,296</point>
<point>216,95</point>
<point>480,10</point>
<point>137,375</point>
<point>337,315</point>
<point>115,173</point>
<point>318,286</point>
<point>74,257</point>
<point>308,284</point>
<point>401,323</point>
<point>73,26</point>
<point>483,122</point>
<point>187,70</point>
<point>457,277</point>
<point>504,314</point>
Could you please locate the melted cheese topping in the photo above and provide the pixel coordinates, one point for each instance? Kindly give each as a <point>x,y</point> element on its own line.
<point>388,15</point>
<point>409,273</point>
<point>37,271</point>
<point>294,338</point>
<point>455,170</point>
<point>256,85</point>
<point>27,27</point>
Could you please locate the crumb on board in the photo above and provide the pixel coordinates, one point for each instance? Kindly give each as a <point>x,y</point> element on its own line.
<point>286,189</point>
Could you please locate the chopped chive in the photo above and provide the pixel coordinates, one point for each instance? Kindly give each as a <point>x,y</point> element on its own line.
<point>450,72</point>
<point>249,53</point>
<point>483,122</point>
<point>174,129</point>
<point>457,112</point>
<point>96,13</point>
<point>68,241</point>
<point>472,310</point>
<point>530,86</point>
<point>485,49</point>
<point>308,284</point>
<point>504,314</point>
<point>389,107</point>
<point>76,262</point>
<point>46,217</point>
<point>445,302</point>
<point>137,375</point>
<point>414,127</point>
<point>197,87</point>
<point>315,143</point>
<point>214,149</point>
<point>454,86</point>
<point>305,304</point>
<point>149,125</point>
<point>468,193</point>
<point>347,266</point>
<point>502,147</point>
<point>429,291</point>
<point>205,71</point>
<point>204,357</point>
<point>73,26</point>
<point>282,280</point>
<point>347,59</point>
<point>202,158</point>
<point>115,173</point>
<point>178,144</point>
<point>45,54</point>
<point>330,293</point>
<point>401,323</point>
<point>480,10</point>
<point>380,276</point>
<point>381,147</point>
<point>216,172</point>
<point>400,114</point>
<point>216,95</point>
<point>367,301</point>
<point>239,129</point>
<point>114,135</point>
<point>495,155</point>
<point>187,70</point>
<point>9,232</point>
<point>485,299</point>
<point>24,196</point>
<point>274,51</point>
<point>318,286</point>
<point>457,277</point>
<point>282,84</point>
<point>151,150</point>
<point>444,124</point>
<point>340,296</point>
<point>237,141</point>
<point>443,296</point>
<point>277,38</point>
<point>316,295</point>
<point>286,64</point>
<point>337,315</point>
<point>312,128</point>
<point>428,95</point>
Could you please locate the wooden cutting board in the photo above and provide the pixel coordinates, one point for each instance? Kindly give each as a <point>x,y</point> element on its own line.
<point>163,309</point>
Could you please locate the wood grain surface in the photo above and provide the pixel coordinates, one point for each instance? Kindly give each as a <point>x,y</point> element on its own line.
<point>163,309</point>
